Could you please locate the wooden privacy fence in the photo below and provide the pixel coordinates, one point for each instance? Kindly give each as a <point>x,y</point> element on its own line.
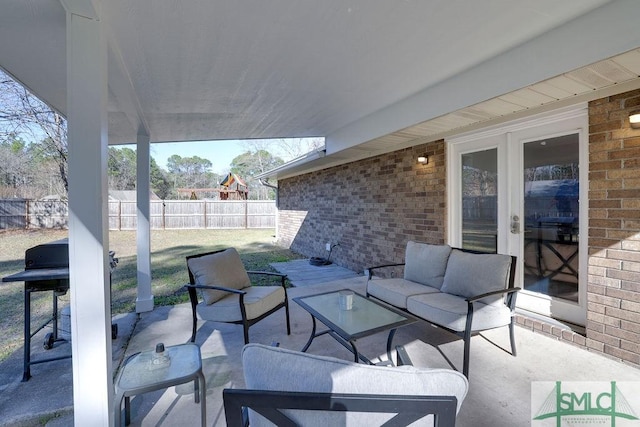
<point>164,214</point>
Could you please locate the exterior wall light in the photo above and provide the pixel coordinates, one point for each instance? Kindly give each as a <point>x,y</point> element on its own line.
<point>423,160</point>
<point>634,119</point>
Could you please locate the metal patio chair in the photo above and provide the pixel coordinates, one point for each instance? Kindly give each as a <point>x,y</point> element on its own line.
<point>220,290</point>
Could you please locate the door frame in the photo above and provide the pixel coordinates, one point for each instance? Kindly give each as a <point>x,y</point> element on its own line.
<point>507,138</point>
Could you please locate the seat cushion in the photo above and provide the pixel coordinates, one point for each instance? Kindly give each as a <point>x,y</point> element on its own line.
<point>257,301</point>
<point>426,264</point>
<point>274,368</point>
<point>223,268</point>
<point>450,311</point>
<point>470,274</point>
<point>396,291</point>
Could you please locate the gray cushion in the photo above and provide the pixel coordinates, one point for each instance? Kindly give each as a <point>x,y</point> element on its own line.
<point>426,264</point>
<point>219,269</point>
<point>274,368</point>
<point>450,311</point>
<point>257,301</point>
<point>470,274</point>
<point>396,291</point>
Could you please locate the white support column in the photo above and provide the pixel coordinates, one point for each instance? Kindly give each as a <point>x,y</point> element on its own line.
<point>88,231</point>
<point>144,301</point>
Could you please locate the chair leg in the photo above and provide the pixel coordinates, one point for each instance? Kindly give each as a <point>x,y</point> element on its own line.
<point>194,329</point>
<point>193,299</point>
<point>512,336</point>
<point>127,411</point>
<point>286,309</point>
<point>467,345</point>
<point>245,329</point>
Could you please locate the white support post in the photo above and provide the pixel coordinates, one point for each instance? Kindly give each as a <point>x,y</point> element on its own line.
<point>88,228</point>
<point>144,301</point>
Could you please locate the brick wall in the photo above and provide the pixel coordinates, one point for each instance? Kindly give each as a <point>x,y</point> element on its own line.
<point>613,316</point>
<point>371,207</point>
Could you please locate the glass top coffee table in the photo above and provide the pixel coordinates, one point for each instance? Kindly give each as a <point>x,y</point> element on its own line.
<point>366,317</point>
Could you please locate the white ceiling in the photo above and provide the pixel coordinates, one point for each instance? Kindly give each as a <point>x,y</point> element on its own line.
<point>353,71</point>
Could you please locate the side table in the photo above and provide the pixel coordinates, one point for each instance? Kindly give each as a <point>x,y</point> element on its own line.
<point>139,375</point>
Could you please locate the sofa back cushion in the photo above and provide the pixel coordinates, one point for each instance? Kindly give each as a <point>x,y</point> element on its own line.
<point>222,268</point>
<point>470,274</point>
<point>274,368</point>
<point>425,263</point>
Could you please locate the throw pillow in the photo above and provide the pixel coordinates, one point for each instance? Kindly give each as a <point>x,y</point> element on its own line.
<point>223,268</point>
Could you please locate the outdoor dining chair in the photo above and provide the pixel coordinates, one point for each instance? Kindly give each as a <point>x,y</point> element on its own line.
<point>220,290</point>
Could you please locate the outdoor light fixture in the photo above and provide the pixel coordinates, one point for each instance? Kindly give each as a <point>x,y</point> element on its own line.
<point>634,119</point>
<point>423,160</point>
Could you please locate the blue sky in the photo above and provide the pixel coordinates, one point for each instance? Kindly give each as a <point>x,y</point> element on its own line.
<point>219,153</point>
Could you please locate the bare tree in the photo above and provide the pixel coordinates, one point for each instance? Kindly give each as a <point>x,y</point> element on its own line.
<point>284,148</point>
<point>24,116</point>
<point>292,148</point>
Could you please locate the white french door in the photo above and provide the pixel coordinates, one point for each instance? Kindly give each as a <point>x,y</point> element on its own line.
<point>516,189</point>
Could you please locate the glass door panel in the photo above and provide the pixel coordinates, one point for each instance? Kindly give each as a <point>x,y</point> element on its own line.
<point>551,214</point>
<point>479,178</point>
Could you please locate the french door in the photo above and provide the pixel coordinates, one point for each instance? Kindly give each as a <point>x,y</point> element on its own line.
<point>517,189</point>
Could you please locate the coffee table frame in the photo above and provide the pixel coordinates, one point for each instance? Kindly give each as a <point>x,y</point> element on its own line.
<point>326,314</point>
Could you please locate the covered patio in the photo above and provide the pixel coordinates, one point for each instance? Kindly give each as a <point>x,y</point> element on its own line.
<point>499,392</point>
<point>371,78</point>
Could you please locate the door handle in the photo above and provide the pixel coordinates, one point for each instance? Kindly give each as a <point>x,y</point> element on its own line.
<point>515,224</point>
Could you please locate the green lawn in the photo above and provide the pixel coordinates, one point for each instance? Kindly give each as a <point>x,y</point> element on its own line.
<point>168,269</point>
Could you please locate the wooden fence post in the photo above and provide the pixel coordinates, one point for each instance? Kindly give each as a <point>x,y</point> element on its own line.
<point>164,224</point>
<point>205,213</point>
<point>27,223</point>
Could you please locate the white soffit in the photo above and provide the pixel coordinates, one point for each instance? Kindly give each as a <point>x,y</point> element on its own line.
<point>573,86</point>
<point>617,74</point>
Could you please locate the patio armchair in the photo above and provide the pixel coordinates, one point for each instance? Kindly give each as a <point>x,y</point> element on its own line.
<point>220,290</point>
<point>290,388</point>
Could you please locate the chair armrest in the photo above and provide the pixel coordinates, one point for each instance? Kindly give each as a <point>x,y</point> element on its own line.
<point>369,271</point>
<point>218,288</point>
<point>488,294</point>
<point>282,277</point>
<point>267,273</point>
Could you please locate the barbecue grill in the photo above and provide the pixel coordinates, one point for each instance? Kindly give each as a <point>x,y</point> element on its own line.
<point>47,269</point>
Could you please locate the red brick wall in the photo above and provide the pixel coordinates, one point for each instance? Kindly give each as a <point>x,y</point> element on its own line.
<point>371,207</point>
<point>613,317</point>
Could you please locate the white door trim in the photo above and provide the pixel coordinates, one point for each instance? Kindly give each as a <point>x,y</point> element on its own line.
<point>509,139</point>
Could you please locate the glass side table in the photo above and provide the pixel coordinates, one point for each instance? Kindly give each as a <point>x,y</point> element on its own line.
<point>144,372</point>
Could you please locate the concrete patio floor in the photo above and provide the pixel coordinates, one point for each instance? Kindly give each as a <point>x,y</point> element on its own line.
<point>500,384</point>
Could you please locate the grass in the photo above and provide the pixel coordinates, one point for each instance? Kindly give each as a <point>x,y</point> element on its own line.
<point>168,269</point>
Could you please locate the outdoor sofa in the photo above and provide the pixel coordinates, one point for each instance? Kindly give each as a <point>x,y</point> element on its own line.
<point>459,290</point>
